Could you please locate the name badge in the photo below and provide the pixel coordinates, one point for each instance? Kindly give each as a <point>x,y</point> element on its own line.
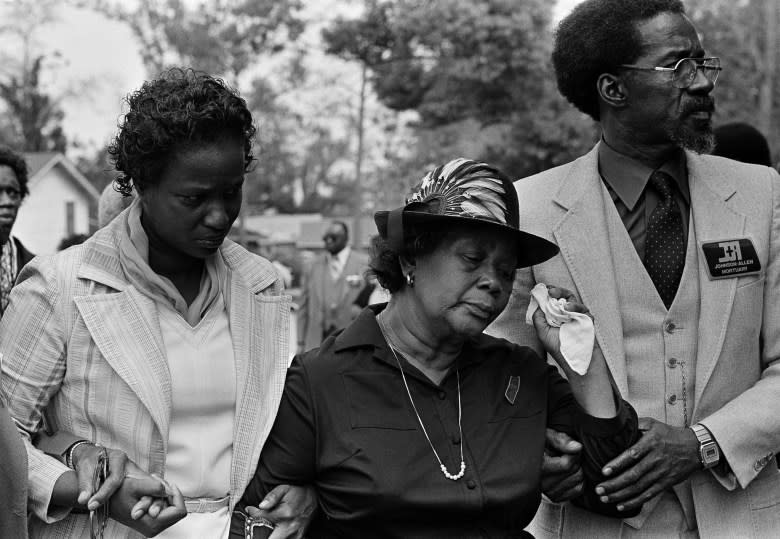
<point>728,259</point>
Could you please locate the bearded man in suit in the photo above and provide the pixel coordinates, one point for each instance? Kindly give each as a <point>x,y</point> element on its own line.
<point>677,254</point>
<point>330,287</point>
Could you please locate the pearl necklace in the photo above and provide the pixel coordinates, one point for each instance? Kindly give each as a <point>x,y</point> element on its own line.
<point>447,474</point>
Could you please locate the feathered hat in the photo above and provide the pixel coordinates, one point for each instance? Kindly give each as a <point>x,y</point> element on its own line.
<point>465,191</point>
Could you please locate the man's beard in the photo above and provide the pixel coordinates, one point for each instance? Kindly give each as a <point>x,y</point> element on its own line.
<point>694,134</point>
<point>700,139</point>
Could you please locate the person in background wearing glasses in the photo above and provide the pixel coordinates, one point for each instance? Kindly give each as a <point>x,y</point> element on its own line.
<point>330,286</point>
<point>13,189</point>
<point>677,255</point>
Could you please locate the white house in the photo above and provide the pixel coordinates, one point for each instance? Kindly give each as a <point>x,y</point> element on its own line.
<point>58,205</point>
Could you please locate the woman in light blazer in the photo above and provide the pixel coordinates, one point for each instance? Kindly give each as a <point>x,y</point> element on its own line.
<point>157,337</point>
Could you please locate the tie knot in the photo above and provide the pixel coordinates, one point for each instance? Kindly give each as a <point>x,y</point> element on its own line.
<point>663,183</point>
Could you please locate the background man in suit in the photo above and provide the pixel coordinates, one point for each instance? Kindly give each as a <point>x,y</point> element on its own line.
<point>13,189</point>
<point>330,287</point>
<point>677,255</point>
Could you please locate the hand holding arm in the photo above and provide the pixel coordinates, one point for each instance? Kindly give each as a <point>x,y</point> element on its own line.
<point>290,508</point>
<point>663,456</point>
<point>562,478</point>
<point>75,490</point>
<point>126,504</point>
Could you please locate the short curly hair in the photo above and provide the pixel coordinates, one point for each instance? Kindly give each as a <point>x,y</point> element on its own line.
<point>180,109</point>
<point>596,38</point>
<point>15,161</point>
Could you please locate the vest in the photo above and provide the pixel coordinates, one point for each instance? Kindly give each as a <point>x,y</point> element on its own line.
<point>660,345</point>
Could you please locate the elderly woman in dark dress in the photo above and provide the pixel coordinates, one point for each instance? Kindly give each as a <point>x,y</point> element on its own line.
<point>412,422</point>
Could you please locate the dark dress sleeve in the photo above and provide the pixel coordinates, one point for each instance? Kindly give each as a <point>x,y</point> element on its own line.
<point>288,456</point>
<point>602,439</point>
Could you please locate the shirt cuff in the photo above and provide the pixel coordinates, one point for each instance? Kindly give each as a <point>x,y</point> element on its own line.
<point>43,477</point>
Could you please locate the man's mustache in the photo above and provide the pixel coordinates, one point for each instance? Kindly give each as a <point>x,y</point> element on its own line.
<point>699,104</point>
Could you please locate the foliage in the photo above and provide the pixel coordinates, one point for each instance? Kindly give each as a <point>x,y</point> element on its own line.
<point>737,32</point>
<point>476,72</point>
<point>221,37</point>
<point>32,116</point>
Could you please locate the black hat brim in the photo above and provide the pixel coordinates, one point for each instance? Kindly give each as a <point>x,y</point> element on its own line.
<point>531,249</point>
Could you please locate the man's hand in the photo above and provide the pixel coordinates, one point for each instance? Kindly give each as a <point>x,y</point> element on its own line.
<point>291,508</point>
<point>562,478</point>
<point>663,456</point>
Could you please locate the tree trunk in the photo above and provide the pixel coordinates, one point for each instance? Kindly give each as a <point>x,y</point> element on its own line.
<point>766,91</point>
<point>357,232</point>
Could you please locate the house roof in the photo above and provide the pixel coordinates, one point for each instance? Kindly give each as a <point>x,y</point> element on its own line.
<point>39,163</point>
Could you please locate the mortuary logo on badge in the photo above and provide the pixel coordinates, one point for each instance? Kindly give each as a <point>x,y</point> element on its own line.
<point>731,258</point>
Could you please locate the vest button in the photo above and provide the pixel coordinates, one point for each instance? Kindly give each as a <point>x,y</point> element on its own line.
<point>442,395</point>
<point>670,327</point>
<point>455,439</point>
<point>672,362</point>
<point>672,399</point>
<point>471,484</point>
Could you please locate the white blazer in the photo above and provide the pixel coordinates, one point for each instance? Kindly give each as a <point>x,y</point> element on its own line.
<point>83,347</point>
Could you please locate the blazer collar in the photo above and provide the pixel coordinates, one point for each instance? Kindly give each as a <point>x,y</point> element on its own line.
<point>715,217</point>
<point>582,234</point>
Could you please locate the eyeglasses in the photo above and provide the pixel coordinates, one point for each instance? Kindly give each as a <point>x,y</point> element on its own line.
<point>684,71</point>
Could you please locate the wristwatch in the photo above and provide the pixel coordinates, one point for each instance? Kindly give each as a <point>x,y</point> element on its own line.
<point>709,452</point>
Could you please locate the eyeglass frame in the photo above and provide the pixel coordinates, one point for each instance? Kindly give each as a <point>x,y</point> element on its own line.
<point>699,65</point>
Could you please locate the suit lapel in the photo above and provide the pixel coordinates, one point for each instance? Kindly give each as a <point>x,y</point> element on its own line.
<point>124,326</point>
<point>714,218</point>
<point>259,326</point>
<point>582,235</point>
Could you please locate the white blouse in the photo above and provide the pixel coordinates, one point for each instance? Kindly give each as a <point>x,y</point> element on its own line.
<point>203,393</point>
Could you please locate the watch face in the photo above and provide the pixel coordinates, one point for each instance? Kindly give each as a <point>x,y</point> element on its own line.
<point>709,454</point>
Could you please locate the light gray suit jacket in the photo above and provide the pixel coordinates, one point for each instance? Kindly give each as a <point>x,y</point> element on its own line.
<point>318,286</point>
<point>83,346</point>
<point>737,394</point>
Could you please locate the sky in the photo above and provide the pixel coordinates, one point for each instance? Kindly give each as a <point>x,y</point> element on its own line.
<point>98,64</point>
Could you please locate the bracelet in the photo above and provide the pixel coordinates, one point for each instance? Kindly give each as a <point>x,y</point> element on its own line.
<point>69,452</point>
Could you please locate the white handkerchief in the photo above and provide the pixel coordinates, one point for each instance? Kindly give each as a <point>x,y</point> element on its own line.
<point>577,332</point>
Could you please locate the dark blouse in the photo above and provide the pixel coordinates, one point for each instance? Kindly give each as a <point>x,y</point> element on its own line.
<point>345,425</point>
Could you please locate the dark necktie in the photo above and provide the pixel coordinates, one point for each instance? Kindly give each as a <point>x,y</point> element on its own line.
<point>665,240</point>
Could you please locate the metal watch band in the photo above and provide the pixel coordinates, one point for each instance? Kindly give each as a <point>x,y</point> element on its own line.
<point>709,452</point>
